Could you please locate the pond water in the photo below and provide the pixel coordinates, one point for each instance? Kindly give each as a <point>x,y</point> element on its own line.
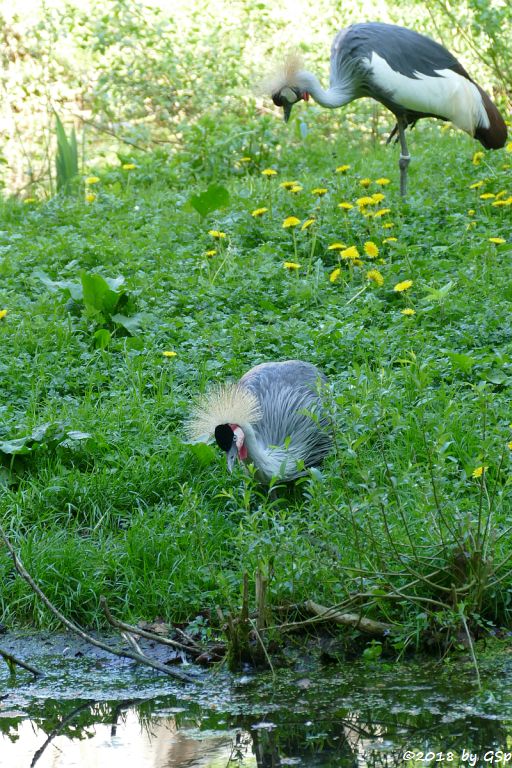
<point>90,711</point>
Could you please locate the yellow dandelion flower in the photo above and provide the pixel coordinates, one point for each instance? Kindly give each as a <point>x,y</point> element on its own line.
<point>508,148</point>
<point>334,275</point>
<point>345,206</point>
<point>471,212</point>
<point>169,353</point>
<point>382,212</point>
<point>371,249</point>
<point>269,172</point>
<point>375,276</point>
<point>390,240</point>
<point>3,313</point>
<point>477,158</point>
<point>382,182</point>
<point>291,221</point>
<point>92,180</point>
<point>29,200</point>
<point>350,253</point>
<point>502,203</point>
<point>259,212</point>
<point>476,185</point>
<point>216,234</point>
<point>288,184</point>
<point>342,168</point>
<point>365,182</point>
<point>408,311</point>
<point>336,247</point>
<point>319,191</point>
<point>308,223</point>
<point>509,445</point>
<point>497,240</point>
<point>291,265</point>
<point>403,286</point>
<point>245,159</point>
<point>487,196</point>
<point>90,197</point>
<point>362,201</point>
<point>296,188</point>
<point>501,194</point>
<point>128,166</point>
<point>378,197</point>
<point>210,253</point>
<point>479,471</point>
<point>388,225</point>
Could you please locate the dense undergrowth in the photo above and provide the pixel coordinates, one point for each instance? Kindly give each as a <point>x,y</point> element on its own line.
<point>99,492</point>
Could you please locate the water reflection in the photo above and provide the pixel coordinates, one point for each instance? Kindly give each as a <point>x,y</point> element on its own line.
<point>152,735</point>
<point>358,716</point>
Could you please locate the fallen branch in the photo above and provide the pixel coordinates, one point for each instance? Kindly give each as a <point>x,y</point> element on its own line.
<point>140,658</point>
<point>355,620</point>
<point>13,660</point>
<point>194,650</point>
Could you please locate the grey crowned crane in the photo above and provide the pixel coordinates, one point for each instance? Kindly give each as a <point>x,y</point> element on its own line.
<point>412,75</point>
<point>273,417</point>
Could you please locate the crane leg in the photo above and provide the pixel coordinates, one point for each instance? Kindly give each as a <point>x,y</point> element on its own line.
<point>405,157</point>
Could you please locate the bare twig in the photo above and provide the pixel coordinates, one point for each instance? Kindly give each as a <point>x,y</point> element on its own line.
<point>11,659</point>
<point>194,650</point>
<point>349,619</point>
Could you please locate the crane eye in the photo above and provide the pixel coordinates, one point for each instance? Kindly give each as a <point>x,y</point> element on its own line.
<point>224,436</point>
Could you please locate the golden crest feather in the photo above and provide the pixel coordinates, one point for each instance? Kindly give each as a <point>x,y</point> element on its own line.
<point>225,404</point>
<point>282,75</point>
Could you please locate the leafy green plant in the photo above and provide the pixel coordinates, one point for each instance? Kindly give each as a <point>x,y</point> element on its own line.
<point>66,161</point>
<point>100,299</point>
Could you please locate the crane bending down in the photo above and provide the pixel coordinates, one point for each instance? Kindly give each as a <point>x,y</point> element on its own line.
<point>273,417</point>
<point>412,75</point>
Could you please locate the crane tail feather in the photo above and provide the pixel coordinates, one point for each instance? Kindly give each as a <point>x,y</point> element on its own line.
<point>493,136</point>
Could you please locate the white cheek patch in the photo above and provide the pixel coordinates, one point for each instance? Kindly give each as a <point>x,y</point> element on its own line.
<point>450,95</point>
<point>288,95</point>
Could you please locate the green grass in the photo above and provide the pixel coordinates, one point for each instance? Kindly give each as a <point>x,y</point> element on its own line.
<point>419,402</point>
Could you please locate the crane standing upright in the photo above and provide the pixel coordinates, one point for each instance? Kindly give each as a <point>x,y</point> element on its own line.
<point>412,75</point>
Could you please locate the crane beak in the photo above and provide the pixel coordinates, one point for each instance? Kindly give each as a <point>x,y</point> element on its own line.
<point>231,455</point>
<point>287,109</point>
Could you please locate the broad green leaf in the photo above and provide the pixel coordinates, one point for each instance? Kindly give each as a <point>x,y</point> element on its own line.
<point>215,197</point>
<point>205,454</point>
<point>131,324</point>
<point>102,338</point>
<point>74,289</point>
<point>15,447</point>
<point>98,296</point>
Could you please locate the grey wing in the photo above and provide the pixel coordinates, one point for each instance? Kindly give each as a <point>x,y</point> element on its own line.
<point>290,396</point>
<point>405,50</point>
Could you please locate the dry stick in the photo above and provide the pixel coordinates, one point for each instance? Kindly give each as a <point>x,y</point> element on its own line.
<point>141,659</point>
<point>471,647</point>
<point>194,651</point>
<point>14,660</point>
<point>260,640</point>
<point>349,619</point>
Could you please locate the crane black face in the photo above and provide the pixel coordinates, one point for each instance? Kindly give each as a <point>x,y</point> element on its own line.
<point>286,98</point>
<point>224,436</point>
